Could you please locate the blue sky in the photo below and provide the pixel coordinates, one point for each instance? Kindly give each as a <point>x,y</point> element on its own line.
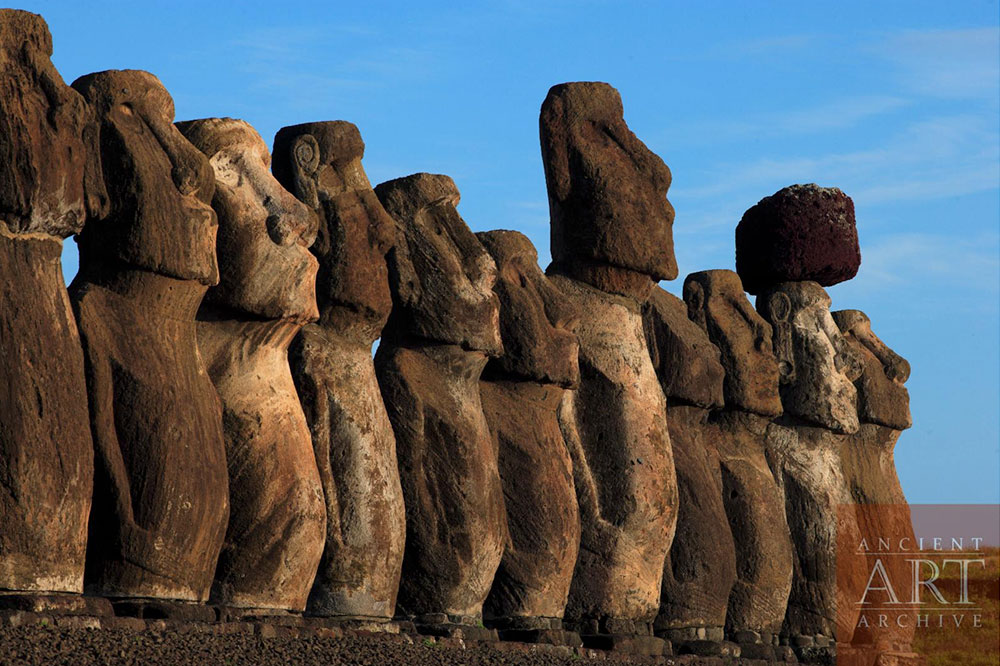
<point>896,103</point>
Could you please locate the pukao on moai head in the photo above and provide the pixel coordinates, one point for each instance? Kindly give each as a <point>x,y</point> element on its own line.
<point>443,327</point>
<point>266,292</point>
<point>701,568</point>
<point>49,181</point>
<point>870,471</point>
<point>788,247</point>
<point>521,394</point>
<point>611,223</point>
<point>754,503</point>
<point>611,241</point>
<point>160,504</point>
<point>334,374</point>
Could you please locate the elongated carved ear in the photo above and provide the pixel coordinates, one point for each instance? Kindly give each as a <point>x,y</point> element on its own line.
<point>98,202</point>
<point>779,309</point>
<point>694,296</point>
<point>305,164</point>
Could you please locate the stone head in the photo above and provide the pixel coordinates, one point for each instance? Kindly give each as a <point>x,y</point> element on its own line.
<point>265,267</point>
<point>160,187</point>
<point>717,303</point>
<point>816,365</point>
<point>687,363</point>
<point>441,276</point>
<point>50,174</point>
<point>882,396</point>
<point>537,325</point>
<point>607,190</point>
<point>321,164</point>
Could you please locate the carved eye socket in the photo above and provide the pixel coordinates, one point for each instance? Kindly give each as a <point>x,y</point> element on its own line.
<point>127,109</point>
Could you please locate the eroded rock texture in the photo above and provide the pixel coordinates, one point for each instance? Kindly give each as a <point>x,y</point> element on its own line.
<point>701,567</point>
<point>335,376</point>
<point>870,471</point>
<point>265,294</point>
<point>799,233</point>
<point>612,225</point>
<point>443,327</point>
<point>161,496</point>
<point>754,504</point>
<point>816,368</point>
<point>49,181</point>
<point>611,238</point>
<point>521,392</point>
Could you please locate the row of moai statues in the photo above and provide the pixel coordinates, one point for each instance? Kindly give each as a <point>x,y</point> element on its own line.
<point>575,452</point>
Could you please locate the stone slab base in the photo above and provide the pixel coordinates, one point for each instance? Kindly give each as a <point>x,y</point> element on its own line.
<point>56,604</point>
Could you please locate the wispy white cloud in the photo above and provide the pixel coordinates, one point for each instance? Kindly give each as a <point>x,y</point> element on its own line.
<point>920,257</point>
<point>947,63</point>
<point>928,159</point>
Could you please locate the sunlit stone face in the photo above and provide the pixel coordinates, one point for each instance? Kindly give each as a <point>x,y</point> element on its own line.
<point>49,172</point>
<point>716,302</point>
<point>536,323</point>
<point>266,268</point>
<point>817,366</point>
<point>159,185</point>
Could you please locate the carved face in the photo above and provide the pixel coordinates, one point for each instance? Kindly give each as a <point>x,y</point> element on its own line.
<point>442,277</point>
<point>716,302</point>
<point>882,398</point>
<point>265,266</point>
<point>321,164</point>
<point>537,326</point>
<point>159,185</point>
<point>687,364</point>
<point>816,364</point>
<point>607,190</point>
<point>50,171</point>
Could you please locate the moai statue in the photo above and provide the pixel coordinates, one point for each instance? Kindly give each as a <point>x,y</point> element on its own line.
<point>49,182</point>
<point>335,376</point>
<point>266,293</point>
<point>810,229</point>
<point>443,328</point>
<point>611,230</point>
<point>700,570</point>
<point>870,472</point>
<point>521,393</point>
<point>753,501</point>
<point>161,494</point>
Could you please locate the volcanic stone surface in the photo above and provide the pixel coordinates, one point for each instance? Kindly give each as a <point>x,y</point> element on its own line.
<point>869,468</point>
<point>521,392</point>
<point>700,569</point>
<point>611,221</point>
<point>266,293</point>
<point>443,328</point>
<point>335,375</point>
<point>754,503</point>
<point>615,425</point>
<point>49,180</point>
<point>801,232</point>
<point>816,367</point>
<point>161,503</point>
